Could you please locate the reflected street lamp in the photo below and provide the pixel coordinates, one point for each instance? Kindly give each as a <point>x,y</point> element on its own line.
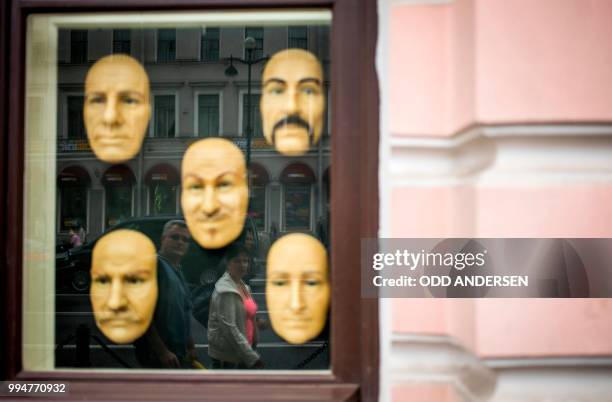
<point>249,45</point>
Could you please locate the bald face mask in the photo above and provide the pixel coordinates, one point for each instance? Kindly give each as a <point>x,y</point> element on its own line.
<point>116,109</point>
<point>214,193</point>
<point>297,287</point>
<point>123,284</point>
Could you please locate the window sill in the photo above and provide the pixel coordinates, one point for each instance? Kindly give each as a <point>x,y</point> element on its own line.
<point>218,386</point>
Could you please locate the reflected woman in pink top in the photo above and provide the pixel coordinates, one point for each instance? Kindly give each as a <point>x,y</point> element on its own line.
<point>232,329</point>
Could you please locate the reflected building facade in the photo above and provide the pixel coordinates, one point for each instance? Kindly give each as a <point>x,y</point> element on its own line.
<point>192,97</point>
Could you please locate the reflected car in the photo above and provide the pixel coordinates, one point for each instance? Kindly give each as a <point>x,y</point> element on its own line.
<point>200,266</point>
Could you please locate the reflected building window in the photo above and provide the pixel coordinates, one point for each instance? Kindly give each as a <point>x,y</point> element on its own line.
<point>208,115</point>
<point>78,46</point>
<point>255,116</point>
<point>122,41</point>
<point>258,198</point>
<point>210,44</point>
<point>75,126</point>
<point>118,183</point>
<point>166,45</point>
<point>257,34</point>
<point>297,180</point>
<point>73,183</point>
<point>164,116</point>
<point>298,37</point>
<point>162,181</point>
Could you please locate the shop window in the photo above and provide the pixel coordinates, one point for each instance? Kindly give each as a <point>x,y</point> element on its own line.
<point>298,37</point>
<point>122,41</point>
<point>126,194</point>
<point>76,127</point>
<point>208,116</point>
<point>256,33</point>
<point>78,46</point>
<point>210,44</point>
<point>164,116</point>
<point>166,45</point>
<point>255,116</point>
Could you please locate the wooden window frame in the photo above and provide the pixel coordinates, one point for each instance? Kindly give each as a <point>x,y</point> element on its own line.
<point>354,208</point>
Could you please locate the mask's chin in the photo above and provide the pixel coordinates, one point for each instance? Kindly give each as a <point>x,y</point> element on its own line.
<point>292,145</point>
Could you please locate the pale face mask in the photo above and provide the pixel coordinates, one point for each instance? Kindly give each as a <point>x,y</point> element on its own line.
<point>123,284</point>
<point>116,109</point>
<point>292,101</point>
<point>214,193</point>
<point>297,287</point>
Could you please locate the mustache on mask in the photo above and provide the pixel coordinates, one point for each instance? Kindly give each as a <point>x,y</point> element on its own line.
<point>292,119</point>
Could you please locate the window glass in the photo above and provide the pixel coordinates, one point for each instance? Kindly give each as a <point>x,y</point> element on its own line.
<point>163,199</point>
<point>78,46</point>
<point>76,128</point>
<point>166,45</point>
<point>122,41</point>
<point>258,206</point>
<point>165,116</point>
<point>210,44</point>
<point>208,115</point>
<point>167,156</point>
<point>118,204</point>
<point>297,206</point>
<point>257,34</point>
<point>298,37</point>
<point>73,204</point>
<point>250,109</point>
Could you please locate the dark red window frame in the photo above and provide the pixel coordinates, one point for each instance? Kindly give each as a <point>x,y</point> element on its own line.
<point>354,208</point>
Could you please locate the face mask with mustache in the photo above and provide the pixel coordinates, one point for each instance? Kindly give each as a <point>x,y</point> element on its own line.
<point>296,120</point>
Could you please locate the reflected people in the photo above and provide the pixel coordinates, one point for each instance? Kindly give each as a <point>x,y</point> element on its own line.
<point>123,284</point>
<point>169,343</point>
<point>232,326</point>
<point>214,193</point>
<point>292,101</point>
<point>116,109</point>
<point>297,287</point>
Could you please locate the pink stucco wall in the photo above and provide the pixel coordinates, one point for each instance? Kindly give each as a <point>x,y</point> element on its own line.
<point>508,327</point>
<point>491,61</point>
<point>545,60</point>
<point>425,393</point>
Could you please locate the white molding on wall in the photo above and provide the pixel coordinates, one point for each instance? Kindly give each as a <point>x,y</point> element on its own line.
<point>517,154</point>
<point>550,379</point>
<point>430,359</point>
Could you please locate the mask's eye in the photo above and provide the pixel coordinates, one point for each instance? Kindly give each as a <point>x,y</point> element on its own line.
<point>130,100</point>
<point>275,89</point>
<point>224,184</point>
<point>102,280</point>
<point>133,279</point>
<point>309,90</point>
<point>312,282</point>
<point>95,99</point>
<point>279,282</point>
<point>192,185</point>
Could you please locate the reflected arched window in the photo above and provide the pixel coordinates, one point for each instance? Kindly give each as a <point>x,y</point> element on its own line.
<point>162,182</point>
<point>297,180</point>
<point>73,183</point>
<point>259,180</point>
<point>118,184</point>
